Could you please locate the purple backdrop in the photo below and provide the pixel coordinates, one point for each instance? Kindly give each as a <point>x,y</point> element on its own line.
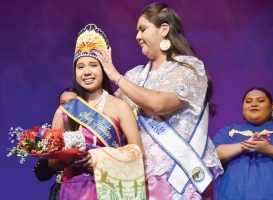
<point>233,38</point>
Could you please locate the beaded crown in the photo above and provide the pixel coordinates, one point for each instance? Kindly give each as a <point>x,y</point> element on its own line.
<point>91,41</point>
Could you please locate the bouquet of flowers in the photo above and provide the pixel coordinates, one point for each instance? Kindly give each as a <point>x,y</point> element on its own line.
<point>43,142</point>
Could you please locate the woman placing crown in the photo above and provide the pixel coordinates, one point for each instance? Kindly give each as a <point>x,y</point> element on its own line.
<point>169,95</point>
<point>95,111</point>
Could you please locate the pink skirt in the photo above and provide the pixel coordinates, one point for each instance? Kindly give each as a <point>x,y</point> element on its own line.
<point>81,187</point>
<point>159,188</point>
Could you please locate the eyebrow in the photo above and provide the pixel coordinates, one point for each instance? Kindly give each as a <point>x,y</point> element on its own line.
<point>140,26</point>
<point>92,62</point>
<point>255,98</point>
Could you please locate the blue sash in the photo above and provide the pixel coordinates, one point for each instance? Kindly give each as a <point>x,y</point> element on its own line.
<point>92,119</point>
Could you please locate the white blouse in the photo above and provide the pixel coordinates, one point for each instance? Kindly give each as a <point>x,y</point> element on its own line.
<point>189,83</point>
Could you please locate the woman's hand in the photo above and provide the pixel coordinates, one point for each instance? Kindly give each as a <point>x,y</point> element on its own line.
<point>85,163</point>
<point>152,101</point>
<point>258,143</point>
<point>56,164</point>
<point>107,64</point>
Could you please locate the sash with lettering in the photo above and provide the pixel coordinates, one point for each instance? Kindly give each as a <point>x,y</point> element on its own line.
<point>187,155</point>
<point>98,123</point>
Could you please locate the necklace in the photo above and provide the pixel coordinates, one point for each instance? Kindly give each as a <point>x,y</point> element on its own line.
<point>98,100</point>
<point>101,101</point>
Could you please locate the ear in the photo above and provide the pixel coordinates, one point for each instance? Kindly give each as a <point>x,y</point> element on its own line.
<point>165,28</point>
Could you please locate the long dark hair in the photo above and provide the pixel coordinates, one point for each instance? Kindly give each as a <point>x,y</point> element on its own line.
<point>159,13</point>
<point>73,126</point>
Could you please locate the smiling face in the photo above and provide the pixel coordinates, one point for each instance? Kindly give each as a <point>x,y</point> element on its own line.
<point>149,37</point>
<point>257,107</point>
<point>88,74</point>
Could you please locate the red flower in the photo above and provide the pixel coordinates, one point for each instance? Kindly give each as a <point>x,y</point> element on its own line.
<point>46,143</point>
<point>55,140</point>
<point>35,129</point>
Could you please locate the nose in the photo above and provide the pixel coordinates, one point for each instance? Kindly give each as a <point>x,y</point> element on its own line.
<point>254,103</point>
<point>138,36</point>
<point>87,70</point>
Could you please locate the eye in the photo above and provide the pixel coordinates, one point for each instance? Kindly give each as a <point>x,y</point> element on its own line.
<point>94,65</point>
<point>248,101</point>
<point>143,29</point>
<point>79,66</point>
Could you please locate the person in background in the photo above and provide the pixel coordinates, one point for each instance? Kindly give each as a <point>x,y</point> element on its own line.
<point>67,95</point>
<point>246,151</point>
<point>169,97</point>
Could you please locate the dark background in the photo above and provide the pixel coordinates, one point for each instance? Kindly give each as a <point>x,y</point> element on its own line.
<point>37,39</point>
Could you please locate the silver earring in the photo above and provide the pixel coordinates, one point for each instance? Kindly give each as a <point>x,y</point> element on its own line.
<point>165,44</point>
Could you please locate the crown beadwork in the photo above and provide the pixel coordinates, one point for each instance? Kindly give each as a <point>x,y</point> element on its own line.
<point>91,41</point>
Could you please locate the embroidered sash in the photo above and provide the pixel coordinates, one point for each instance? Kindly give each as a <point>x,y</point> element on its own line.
<point>92,119</point>
<point>119,172</point>
<point>187,156</point>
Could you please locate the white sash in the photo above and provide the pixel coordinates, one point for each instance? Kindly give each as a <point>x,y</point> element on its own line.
<point>187,156</point>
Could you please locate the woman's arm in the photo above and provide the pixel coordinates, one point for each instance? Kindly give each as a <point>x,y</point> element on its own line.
<point>128,124</point>
<point>155,102</point>
<point>57,121</point>
<point>226,152</point>
<point>85,162</point>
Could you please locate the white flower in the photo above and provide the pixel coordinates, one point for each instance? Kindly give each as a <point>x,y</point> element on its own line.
<point>74,139</point>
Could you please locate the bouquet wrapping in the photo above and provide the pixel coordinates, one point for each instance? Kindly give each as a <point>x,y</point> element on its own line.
<point>44,142</point>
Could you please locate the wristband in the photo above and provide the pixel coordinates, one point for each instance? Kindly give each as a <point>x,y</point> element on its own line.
<point>116,82</point>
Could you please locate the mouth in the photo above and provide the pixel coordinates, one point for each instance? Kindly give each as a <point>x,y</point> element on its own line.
<point>141,43</point>
<point>88,80</point>
<point>254,110</point>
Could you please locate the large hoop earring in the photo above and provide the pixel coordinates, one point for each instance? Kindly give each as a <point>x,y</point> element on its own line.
<point>165,44</point>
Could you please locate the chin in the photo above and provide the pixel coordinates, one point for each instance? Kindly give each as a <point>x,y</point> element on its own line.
<point>257,121</point>
<point>92,90</point>
<point>144,51</point>
<point>89,88</point>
